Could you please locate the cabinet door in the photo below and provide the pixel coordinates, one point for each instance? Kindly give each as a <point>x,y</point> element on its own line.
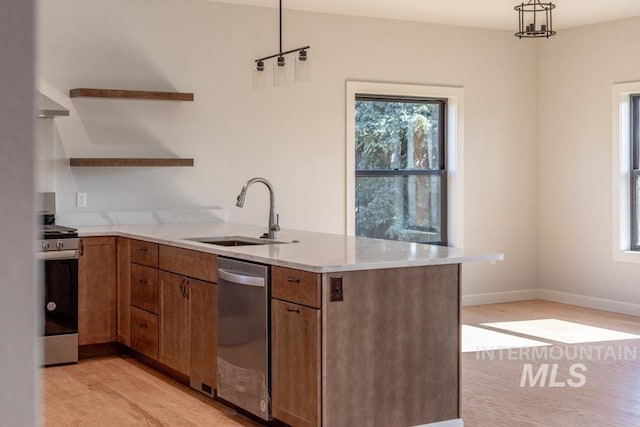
<point>97,290</point>
<point>295,363</point>
<point>175,323</point>
<point>203,335</point>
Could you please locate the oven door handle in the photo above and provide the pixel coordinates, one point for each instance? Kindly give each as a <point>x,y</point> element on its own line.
<point>50,255</point>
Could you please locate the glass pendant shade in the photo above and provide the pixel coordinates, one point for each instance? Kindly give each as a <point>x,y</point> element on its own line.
<point>303,69</point>
<point>259,79</point>
<point>279,72</point>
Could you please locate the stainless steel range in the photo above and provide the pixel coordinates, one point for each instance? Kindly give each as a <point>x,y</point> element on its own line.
<point>59,253</point>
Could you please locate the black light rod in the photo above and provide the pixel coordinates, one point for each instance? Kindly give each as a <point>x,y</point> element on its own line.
<point>282,53</point>
<point>280,27</point>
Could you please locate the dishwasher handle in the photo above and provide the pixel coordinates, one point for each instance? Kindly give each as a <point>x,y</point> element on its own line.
<point>241,279</point>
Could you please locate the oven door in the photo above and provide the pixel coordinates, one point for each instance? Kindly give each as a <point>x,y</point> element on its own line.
<point>60,294</point>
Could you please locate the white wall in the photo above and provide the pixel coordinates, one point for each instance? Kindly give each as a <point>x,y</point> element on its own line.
<point>295,135</point>
<point>576,72</point>
<point>19,400</point>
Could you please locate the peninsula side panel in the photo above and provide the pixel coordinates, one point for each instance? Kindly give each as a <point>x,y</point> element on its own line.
<point>391,347</point>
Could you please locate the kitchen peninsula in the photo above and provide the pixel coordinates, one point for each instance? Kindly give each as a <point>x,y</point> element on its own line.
<point>364,332</point>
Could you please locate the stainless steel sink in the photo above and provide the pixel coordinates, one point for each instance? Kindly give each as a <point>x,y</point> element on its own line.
<point>235,241</point>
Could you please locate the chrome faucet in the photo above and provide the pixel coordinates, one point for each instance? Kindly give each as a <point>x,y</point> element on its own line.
<point>273,225</point>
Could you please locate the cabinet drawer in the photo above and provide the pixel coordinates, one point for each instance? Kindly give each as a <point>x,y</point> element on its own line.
<point>297,286</point>
<point>199,265</point>
<point>144,253</point>
<point>144,332</point>
<point>144,288</point>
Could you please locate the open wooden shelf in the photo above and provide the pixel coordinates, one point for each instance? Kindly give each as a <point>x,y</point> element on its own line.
<point>128,162</point>
<point>130,94</point>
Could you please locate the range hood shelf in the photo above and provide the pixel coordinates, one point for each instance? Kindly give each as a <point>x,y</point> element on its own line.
<point>128,162</point>
<point>130,94</point>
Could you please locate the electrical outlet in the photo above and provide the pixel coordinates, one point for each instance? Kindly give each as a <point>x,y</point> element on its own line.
<point>336,289</point>
<point>81,200</point>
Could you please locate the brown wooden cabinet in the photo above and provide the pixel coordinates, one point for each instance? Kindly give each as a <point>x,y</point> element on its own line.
<point>97,290</point>
<point>188,314</point>
<point>203,335</point>
<point>398,320</point>
<point>140,261</point>
<point>295,363</point>
<point>165,312</point>
<point>175,322</point>
<point>295,346</point>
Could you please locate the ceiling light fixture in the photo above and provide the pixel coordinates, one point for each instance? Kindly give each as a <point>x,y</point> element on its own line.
<point>534,19</point>
<point>302,70</point>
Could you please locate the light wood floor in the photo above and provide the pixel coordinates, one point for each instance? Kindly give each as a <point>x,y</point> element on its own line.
<point>491,392</point>
<point>119,391</point>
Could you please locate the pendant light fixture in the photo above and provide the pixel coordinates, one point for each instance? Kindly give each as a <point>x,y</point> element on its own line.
<point>534,19</point>
<point>302,66</point>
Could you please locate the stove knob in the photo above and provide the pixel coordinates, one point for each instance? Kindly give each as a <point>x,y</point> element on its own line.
<point>45,245</point>
<point>59,244</point>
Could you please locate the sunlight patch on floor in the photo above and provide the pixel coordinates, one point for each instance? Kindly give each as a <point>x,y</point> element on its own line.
<point>562,331</point>
<point>479,339</point>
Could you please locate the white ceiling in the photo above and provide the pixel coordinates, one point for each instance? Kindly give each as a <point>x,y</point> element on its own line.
<point>494,14</point>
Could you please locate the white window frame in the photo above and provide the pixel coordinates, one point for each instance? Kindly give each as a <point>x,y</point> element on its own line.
<point>454,147</point>
<point>621,167</point>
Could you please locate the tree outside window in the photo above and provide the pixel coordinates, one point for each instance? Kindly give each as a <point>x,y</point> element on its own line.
<point>400,181</point>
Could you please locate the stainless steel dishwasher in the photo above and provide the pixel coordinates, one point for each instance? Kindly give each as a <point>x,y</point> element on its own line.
<point>243,336</point>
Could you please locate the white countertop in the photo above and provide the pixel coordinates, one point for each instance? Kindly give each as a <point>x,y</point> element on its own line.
<point>316,252</point>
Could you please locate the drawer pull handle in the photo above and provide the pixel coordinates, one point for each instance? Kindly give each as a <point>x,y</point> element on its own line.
<point>293,279</point>
<point>143,281</point>
<point>293,310</point>
<point>142,249</point>
<point>143,326</point>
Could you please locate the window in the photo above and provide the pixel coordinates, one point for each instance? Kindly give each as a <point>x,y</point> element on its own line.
<point>626,174</point>
<point>635,171</point>
<point>400,168</point>
<point>423,181</point>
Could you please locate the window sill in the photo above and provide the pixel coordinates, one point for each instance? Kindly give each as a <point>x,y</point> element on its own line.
<point>632,257</point>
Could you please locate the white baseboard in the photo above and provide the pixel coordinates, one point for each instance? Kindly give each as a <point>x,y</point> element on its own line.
<point>555,296</point>
<point>589,302</point>
<point>496,297</point>
<point>449,423</point>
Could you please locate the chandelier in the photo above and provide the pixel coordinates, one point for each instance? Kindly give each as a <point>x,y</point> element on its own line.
<point>534,19</point>
<point>302,64</point>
